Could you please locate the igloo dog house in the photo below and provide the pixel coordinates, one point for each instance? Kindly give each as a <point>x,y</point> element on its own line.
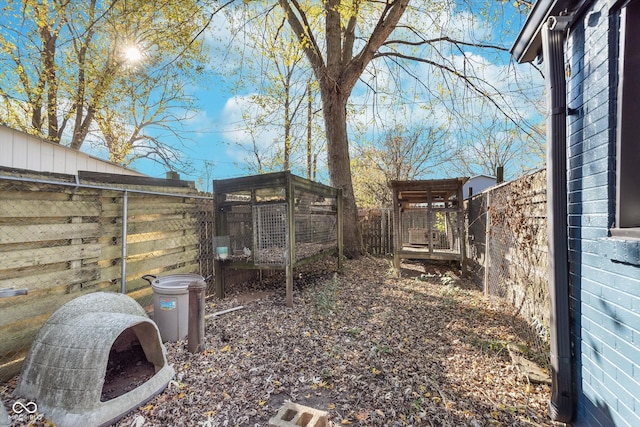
<point>86,365</point>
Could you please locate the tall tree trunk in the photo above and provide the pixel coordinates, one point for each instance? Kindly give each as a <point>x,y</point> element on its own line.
<point>49,52</point>
<point>287,122</point>
<point>309,117</point>
<point>337,75</point>
<point>339,163</point>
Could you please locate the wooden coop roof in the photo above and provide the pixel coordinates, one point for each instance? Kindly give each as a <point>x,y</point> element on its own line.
<point>419,191</point>
<point>271,180</point>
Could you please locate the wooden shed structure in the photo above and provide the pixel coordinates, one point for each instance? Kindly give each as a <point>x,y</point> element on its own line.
<point>428,220</point>
<point>274,221</point>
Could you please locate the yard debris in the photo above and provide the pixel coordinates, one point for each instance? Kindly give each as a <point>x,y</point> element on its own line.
<point>221,312</point>
<point>530,370</point>
<point>369,349</point>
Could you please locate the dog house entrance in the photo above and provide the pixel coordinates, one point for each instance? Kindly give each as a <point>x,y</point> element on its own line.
<point>127,367</point>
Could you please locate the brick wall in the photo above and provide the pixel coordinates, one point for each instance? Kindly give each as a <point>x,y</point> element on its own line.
<point>604,272</point>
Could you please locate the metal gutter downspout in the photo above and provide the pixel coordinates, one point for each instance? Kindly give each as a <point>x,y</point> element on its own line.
<point>561,404</point>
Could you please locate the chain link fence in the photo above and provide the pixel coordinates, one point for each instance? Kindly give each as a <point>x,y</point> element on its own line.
<point>515,252</point>
<point>61,238</point>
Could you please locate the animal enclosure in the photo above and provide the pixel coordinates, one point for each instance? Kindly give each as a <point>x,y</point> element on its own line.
<point>428,220</point>
<point>274,221</point>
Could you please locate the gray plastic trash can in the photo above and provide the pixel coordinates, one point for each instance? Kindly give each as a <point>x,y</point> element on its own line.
<point>171,305</point>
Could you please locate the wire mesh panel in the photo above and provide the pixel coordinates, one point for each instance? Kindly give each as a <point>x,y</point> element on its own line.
<point>316,224</point>
<point>239,233</point>
<point>476,209</point>
<point>498,279</point>
<point>430,229</point>
<point>270,234</point>
<point>446,232</point>
<point>415,226</point>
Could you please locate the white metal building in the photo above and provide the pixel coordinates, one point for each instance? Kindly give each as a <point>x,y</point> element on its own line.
<point>23,151</point>
<point>477,184</point>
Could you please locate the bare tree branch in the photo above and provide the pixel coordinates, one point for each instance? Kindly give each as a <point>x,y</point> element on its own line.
<point>468,80</point>
<point>458,43</point>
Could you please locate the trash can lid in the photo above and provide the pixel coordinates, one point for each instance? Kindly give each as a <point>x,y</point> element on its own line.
<point>175,283</point>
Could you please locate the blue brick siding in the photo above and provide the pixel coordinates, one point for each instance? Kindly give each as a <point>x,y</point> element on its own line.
<point>604,272</point>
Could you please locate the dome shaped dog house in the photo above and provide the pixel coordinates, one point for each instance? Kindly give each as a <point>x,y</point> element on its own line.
<point>81,365</point>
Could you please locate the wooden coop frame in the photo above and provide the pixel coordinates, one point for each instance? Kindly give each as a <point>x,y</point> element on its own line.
<point>428,220</point>
<point>274,221</point>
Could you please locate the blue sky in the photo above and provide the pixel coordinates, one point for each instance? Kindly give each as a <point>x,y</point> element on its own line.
<point>206,140</point>
<point>216,136</point>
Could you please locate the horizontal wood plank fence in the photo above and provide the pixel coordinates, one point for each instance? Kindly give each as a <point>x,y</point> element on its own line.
<point>61,238</point>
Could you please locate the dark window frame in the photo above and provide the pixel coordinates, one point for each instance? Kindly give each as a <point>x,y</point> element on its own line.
<point>627,204</point>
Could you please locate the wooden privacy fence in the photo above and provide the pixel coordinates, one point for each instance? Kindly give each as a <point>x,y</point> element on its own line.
<point>64,236</point>
<point>376,226</point>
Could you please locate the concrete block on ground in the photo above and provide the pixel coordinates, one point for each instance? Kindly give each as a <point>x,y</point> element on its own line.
<point>292,415</point>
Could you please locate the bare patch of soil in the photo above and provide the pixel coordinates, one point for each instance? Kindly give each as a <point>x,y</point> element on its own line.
<point>252,296</point>
<point>126,370</point>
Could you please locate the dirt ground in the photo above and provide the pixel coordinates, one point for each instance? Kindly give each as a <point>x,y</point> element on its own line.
<point>428,349</point>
